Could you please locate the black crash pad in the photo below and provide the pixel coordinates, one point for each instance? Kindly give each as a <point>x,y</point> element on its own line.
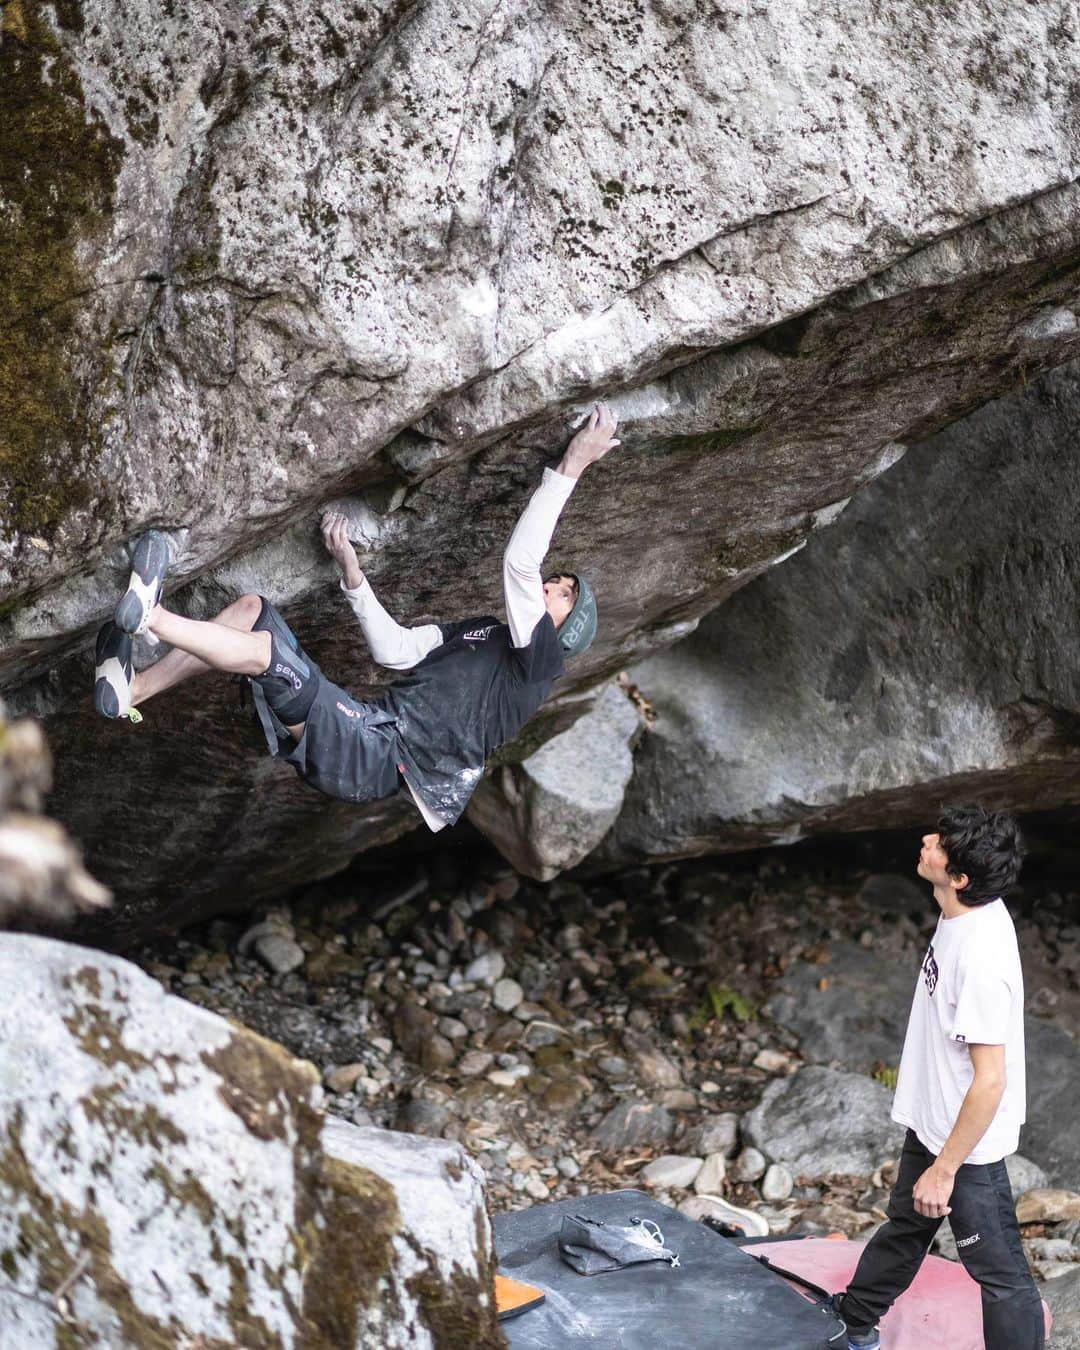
<point>718,1295</point>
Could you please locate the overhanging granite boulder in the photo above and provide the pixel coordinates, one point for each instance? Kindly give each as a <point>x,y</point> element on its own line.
<point>387,254</point>
<point>167,1179</point>
<point>925,648</point>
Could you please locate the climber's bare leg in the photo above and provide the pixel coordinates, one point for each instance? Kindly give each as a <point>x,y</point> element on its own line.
<point>180,664</point>
<point>224,643</point>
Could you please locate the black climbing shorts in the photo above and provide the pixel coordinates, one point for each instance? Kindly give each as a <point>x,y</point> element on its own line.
<point>291,680</point>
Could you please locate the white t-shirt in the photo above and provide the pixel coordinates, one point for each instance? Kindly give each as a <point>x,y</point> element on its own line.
<point>970,992</point>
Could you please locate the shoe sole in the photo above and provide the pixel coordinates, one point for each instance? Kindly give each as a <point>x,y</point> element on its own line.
<point>149,565</point>
<point>113,678</point>
<point>105,700</point>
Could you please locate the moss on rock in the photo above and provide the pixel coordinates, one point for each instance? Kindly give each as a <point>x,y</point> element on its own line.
<point>347,1251</point>
<point>263,1084</point>
<point>58,168</point>
<point>54,1234</point>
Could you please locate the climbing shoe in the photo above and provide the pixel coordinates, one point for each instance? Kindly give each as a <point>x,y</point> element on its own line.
<point>732,1221</point>
<point>114,674</point>
<point>149,564</point>
<point>513,1298</point>
<point>857,1340</point>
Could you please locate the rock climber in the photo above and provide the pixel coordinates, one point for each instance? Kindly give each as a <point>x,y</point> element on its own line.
<point>467,687</point>
<point>960,1092</point>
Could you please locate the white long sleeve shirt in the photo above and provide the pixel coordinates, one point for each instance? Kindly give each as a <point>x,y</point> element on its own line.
<point>398,648</point>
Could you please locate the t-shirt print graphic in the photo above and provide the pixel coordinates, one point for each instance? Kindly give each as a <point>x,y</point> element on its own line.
<point>930,970</point>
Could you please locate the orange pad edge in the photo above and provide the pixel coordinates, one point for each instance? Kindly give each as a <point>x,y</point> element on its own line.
<point>513,1298</point>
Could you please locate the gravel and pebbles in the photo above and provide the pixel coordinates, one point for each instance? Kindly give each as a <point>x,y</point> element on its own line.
<point>581,1037</point>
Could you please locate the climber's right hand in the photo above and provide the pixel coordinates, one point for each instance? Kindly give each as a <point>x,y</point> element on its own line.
<point>335,533</point>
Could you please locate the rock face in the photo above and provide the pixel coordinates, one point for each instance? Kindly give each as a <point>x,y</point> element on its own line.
<point>384,254</point>
<point>548,812</point>
<point>925,647</point>
<point>165,1178</point>
<point>1063,1298</point>
<point>858,1021</point>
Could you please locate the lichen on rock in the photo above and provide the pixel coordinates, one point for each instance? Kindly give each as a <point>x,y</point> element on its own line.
<point>58,168</point>
<point>166,1173</point>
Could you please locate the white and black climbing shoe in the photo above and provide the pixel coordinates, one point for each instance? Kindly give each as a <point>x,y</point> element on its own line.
<point>114,674</point>
<point>149,564</point>
<point>732,1221</point>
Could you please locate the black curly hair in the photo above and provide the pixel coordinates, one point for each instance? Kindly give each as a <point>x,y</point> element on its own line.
<point>986,845</point>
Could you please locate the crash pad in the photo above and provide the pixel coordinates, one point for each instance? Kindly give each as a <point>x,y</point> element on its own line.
<point>942,1310</point>
<point>718,1295</point>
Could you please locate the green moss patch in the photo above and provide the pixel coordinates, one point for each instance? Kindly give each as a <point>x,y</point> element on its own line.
<point>54,1234</point>
<point>263,1084</point>
<point>346,1252</point>
<point>58,168</point>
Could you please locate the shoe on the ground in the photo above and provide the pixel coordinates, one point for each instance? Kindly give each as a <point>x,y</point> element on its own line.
<point>149,564</point>
<point>732,1221</point>
<point>114,674</point>
<point>512,1297</point>
<point>857,1340</point>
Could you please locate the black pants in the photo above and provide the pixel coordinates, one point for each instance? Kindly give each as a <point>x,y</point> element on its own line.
<point>983,1221</point>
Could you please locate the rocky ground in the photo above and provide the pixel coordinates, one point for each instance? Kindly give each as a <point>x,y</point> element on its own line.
<point>656,1028</point>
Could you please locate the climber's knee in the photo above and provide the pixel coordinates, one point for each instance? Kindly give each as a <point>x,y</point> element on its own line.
<point>248,609</point>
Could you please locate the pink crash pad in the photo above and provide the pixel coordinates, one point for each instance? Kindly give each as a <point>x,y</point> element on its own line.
<point>941,1311</point>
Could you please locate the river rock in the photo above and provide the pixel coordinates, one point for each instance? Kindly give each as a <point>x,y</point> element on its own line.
<point>711,1177</point>
<point>507,994</point>
<point>822,1122</point>
<point>415,1034</point>
<point>749,1165</point>
<point>279,953</point>
<point>487,968</point>
<point>172,1172</point>
<point>1024,1175</point>
<point>634,1124</point>
<point>714,1134</point>
<point>654,1068</point>
<point>1047,1205</point>
<point>248,270</point>
<point>672,1171</point>
<point>777,1184</point>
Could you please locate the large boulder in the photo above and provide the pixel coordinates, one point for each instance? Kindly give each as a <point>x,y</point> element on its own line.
<point>848,1009</point>
<point>1062,1296</point>
<point>822,1122</point>
<point>926,647</point>
<point>851,1012</point>
<point>166,1179</point>
<point>550,810</point>
<point>1051,1136</point>
<point>387,252</point>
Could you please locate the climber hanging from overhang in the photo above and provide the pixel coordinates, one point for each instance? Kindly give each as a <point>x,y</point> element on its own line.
<point>467,688</point>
